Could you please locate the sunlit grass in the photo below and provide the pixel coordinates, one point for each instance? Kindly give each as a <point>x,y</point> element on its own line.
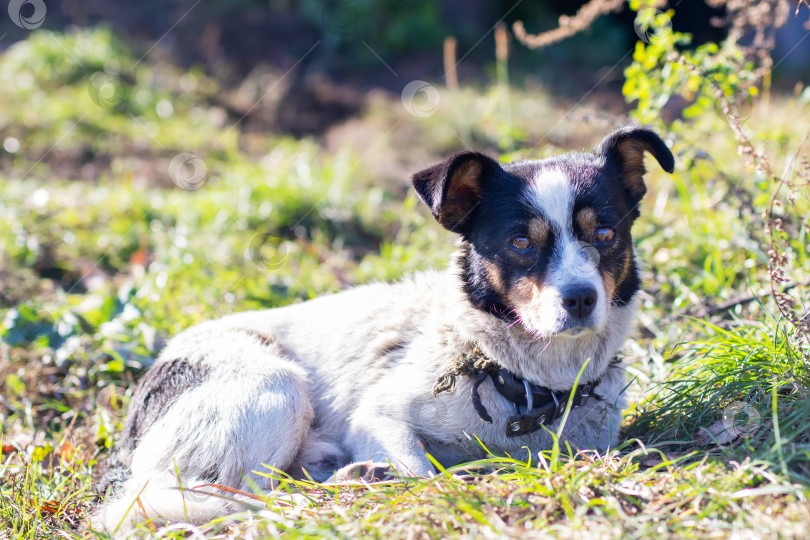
<point>749,378</point>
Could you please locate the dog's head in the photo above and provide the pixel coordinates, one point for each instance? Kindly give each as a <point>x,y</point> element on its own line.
<point>547,243</point>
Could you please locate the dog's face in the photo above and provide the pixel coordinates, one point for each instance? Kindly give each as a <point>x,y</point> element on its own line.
<point>547,243</point>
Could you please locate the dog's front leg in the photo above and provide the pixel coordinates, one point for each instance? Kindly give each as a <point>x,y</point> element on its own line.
<point>378,444</point>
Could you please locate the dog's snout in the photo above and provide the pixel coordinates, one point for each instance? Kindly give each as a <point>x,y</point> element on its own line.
<point>579,301</point>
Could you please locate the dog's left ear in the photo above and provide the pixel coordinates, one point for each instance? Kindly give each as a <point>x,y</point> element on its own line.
<point>454,188</point>
<point>625,147</point>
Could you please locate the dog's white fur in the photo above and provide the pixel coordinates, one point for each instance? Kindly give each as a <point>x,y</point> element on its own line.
<point>272,372</point>
<point>551,193</point>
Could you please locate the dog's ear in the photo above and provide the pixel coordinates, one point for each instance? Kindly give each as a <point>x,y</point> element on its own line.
<point>624,149</point>
<point>454,188</point>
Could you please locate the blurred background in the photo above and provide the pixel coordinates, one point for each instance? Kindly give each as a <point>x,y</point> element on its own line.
<point>363,45</point>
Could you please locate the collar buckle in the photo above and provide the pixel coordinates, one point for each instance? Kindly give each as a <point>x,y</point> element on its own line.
<point>531,421</point>
<point>551,407</point>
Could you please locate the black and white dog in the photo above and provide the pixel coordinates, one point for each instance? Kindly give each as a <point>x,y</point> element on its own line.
<point>545,279</point>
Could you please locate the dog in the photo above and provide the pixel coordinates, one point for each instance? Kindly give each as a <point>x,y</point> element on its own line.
<point>348,385</point>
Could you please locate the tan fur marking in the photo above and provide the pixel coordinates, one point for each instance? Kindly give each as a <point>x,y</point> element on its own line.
<point>462,194</point>
<point>465,179</point>
<point>386,343</point>
<point>525,293</point>
<point>626,267</point>
<point>633,171</point>
<point>612,282</point>
<point>538,231</point>
<point>267,341</point>
<point>609,283</point>
<point>494,275</point>
<point>587,220</point>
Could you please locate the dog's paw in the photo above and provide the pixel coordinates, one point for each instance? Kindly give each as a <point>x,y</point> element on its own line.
<point>368,471</point>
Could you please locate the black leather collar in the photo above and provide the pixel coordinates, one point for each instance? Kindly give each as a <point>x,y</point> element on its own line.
<point>536,406</point>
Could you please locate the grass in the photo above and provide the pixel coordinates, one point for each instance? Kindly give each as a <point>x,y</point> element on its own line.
<point>106,256</point>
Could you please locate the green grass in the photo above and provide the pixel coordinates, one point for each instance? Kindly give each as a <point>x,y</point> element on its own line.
<point>104,257</point>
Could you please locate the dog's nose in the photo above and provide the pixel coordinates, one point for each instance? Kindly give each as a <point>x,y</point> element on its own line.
<point>579,301</point>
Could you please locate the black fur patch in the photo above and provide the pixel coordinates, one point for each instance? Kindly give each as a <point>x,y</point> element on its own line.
<point>157,390</point>
<point>162,384</point>
<point>113,472</point>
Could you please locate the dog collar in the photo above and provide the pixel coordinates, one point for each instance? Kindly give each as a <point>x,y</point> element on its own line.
<point>541,405</point>
<point>536,406</point>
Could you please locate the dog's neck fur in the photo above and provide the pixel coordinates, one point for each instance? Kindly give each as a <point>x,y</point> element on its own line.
<point>553,362</point>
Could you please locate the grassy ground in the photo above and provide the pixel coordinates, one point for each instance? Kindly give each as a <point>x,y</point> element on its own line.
<point>133,207</point>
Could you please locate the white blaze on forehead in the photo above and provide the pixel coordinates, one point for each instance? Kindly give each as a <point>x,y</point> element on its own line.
<point>572,263</point>
<point>553,194</point>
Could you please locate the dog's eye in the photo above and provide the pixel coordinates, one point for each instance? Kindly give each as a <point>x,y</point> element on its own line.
<point>605,235</point>
<point>520,243</point>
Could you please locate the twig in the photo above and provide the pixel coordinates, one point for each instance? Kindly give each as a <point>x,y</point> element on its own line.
<point>568,26</point>
<point>725,306</point>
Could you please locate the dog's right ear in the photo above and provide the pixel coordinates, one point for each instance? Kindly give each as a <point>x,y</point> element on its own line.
<point>625,148</point>
<point>453,189</point>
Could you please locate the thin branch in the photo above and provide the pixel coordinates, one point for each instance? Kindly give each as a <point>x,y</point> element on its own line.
<point>568,26</point>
